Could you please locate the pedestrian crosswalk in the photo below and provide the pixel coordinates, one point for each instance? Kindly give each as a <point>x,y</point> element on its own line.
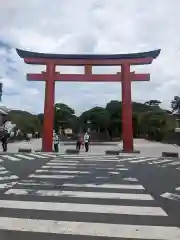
<point>128,158</point>
<point>93,198</point>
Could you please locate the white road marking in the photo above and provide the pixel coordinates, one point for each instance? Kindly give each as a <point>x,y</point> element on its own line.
<point>122,169</point>
<point>36,155</point>
<point>52,176</point>
<point>7,185</point>
<point>89,208</point>
<point>95,157</point>
<point>4,172</point>
<point>64,161</point>
<point>99,177</point>
<point>75,156</point>
<point>59,171</point>
<point>25,157</point>
<point>8,177</point>
<point>90,229</point>
<point>171,196</point>
<point>71,164</point>
<point>2,168</point>
<point>61,164</point>
<point>132,158</point>
<point>114,186</point>
<point>163,161</point>
<point>74,194</point>
<point>57,167</point>
<point>147,159</point>
<point>114,173</point>
<point>12,158</point>
<point>173,163</point>
<point>48,155</point>
<point>130,179</point>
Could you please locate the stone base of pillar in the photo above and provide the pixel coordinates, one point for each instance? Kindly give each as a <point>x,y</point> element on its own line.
<point>112,152</point>
<point>170,154</point>
<point>133,151</point>
<point>72,151</point>
<point>25,150</point>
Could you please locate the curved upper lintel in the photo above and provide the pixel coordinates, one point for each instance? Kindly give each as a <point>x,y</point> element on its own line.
<point>27,54</point>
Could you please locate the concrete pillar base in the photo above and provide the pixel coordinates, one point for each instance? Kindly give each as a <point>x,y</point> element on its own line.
<point>170,154</point>
<point>25,150</point>
<point>72,151</point>
<point>133,151</point>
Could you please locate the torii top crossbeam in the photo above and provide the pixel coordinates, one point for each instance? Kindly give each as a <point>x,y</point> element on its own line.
<point>88,60</point>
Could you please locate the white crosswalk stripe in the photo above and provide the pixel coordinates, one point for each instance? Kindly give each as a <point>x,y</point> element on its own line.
<point>159,161</point>
<point>91,203</point>
<point>7,179</point>
<point>174,195</point>
<point>16,157</point>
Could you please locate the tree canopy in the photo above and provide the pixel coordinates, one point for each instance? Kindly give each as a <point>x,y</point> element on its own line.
<point>148,119</point>
<point>175,104</point>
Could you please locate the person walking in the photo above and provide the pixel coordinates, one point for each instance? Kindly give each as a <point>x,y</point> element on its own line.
<point>86,141</point>
<point>4,140</point>
<point>79,142</point>
<point>56,141</point>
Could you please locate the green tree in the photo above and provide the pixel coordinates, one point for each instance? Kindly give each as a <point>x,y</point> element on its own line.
<point>148,118</point>
<point>25,121</point>
<point>98,117</point>
<point>114,109</point>
<point>153,103</point>
<point>175,104</point>
<point>64,116</point>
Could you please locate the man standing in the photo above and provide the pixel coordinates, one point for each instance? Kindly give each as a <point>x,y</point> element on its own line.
<point>86,141</point>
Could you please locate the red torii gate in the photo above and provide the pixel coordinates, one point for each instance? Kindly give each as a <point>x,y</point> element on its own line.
<point>50,76</point>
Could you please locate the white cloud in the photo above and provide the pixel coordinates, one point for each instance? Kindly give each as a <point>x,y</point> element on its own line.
<point>94,26</point>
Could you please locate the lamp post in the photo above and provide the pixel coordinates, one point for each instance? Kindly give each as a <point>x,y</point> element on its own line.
<point>57,110</point>
<point>88,126</point>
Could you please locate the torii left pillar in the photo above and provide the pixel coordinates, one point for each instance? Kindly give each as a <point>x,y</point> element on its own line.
<point>48,122</point>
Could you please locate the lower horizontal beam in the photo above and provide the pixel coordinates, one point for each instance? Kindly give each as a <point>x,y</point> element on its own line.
<point>88,78</point>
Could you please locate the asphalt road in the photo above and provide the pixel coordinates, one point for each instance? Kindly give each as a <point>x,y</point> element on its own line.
<point>89,197</point>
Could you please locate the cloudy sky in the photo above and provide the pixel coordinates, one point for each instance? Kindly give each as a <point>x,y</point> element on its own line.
<point>93,26</point>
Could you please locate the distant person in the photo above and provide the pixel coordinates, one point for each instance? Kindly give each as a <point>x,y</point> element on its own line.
<point>29,136</point>
<point>56,141</point>
<point>4,140</point>
<point>79,142</point>
<point>86,141</point>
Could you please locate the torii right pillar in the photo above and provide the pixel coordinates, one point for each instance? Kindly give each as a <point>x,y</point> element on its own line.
<point>127,78</point>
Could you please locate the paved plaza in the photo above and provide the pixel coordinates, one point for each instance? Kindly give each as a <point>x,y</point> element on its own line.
<point>147,148</point>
